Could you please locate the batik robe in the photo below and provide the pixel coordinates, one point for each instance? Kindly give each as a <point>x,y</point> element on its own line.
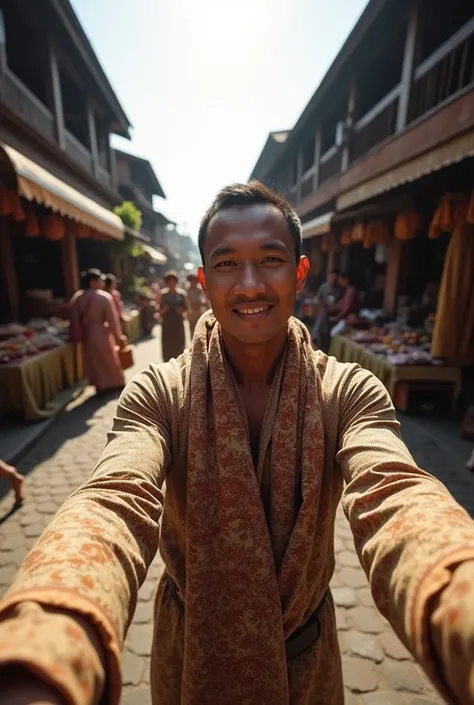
<point>250,549</point>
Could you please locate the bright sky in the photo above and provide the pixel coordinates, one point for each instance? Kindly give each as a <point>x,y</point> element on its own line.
<point>204,81</point>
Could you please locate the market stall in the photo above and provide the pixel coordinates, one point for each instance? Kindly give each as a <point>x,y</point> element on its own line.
<point>36,363</point>
<point>401,360</point>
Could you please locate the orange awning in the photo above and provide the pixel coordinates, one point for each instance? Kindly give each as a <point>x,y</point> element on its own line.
<point>37,184</point>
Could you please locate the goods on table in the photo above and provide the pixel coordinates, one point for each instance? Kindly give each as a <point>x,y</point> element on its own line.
<point>18,342</point>
<point>399,346</point>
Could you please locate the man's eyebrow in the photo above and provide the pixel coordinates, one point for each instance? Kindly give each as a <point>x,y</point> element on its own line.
<point>274,245</point>
<point>269,245</point>
<point>222,251</point>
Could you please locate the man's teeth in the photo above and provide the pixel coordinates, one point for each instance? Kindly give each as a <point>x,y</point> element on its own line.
<point>250,311</point>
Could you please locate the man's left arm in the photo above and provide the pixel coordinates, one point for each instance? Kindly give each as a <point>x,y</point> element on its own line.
<point>415,543</point>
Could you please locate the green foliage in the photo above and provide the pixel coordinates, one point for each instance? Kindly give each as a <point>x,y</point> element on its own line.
<point>141,287</point>
<point>130,215</point>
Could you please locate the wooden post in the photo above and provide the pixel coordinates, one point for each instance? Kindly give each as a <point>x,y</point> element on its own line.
<point>113,166</point>
<point>409,57</point>
<point>394,260</point>
<point>93,137</point>
<point>3,48</point>
<point>57,98</point>
<point>299,174</point>
<point>351,104</point>
<point>317,157</point>
<point>70,264</point>
<point>8,268</point>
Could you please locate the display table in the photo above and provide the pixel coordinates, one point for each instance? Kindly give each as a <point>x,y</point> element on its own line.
<point>132,328</point>
<point>29,388</point>
<point>346,350</point>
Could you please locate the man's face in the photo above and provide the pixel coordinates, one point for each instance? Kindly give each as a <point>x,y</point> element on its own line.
<point>251,275</point>
<point>332,279</point>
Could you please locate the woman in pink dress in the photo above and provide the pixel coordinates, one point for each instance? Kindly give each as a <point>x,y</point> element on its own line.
<point>94,314</point>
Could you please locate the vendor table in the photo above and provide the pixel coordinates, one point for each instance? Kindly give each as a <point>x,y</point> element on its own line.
<point>132,327</point>
<point>346,350</point>
<point>29,388</point>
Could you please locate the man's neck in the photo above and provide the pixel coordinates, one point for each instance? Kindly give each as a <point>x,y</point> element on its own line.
<point>254,366</point>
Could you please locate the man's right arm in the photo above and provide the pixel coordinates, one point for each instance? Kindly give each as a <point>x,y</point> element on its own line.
<point>65,617</point>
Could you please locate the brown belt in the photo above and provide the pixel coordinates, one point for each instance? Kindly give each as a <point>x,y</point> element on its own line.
<point>299,641</point>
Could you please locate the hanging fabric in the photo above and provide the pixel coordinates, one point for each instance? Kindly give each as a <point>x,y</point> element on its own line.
<point>407,225</point>
<point>53,227</point>
<point>32,228</point>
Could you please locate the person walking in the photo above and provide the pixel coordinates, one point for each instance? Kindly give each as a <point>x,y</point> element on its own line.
<point>173,307</point>
<point>196,301</point>
<point>110,286</point>
<point>257,436</point>
<point>95,323</point>
<point>328,294</point>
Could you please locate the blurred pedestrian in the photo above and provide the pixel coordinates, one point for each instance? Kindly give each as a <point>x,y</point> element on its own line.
<point>95,323</point>
<point>173,307</point>
<point>328,294</point>
<point>14,478</point>
<point>110,286</point>
<point>196,299</point>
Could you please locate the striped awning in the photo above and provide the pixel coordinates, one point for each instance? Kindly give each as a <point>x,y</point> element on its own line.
<point>36,184</point>
<point>318,226</point>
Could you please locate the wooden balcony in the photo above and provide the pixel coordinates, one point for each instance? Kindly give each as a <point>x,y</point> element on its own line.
<point>77,151</point>
<point>375,126</point>
<point>20,100</point>
<point>104,176</point>
<point>330,164</point>
<point>447,72</point>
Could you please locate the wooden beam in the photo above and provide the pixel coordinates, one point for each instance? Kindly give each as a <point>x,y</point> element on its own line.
<point>93,137</point>
<point>299,174</point>
<point>392,280</point>
<point>70,263</point>
<point>408,66</point>
<point>351,104</point>
<point>57,98</point>
<point>317,157</point>
<point>8,268</point>
<point>3,48</point>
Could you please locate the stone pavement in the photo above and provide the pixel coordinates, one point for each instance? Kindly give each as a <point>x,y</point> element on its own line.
<point>377,669</point>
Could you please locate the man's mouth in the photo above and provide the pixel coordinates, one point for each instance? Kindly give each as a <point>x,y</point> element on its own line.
<point>250,311</point>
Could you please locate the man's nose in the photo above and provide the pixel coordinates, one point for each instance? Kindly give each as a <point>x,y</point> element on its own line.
<point>250,282</point>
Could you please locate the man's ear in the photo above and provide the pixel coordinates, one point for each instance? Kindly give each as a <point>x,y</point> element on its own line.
<point>202,278</point>
<point>302,273</point>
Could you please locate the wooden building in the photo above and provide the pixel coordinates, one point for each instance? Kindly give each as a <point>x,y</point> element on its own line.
<point>138,183</point>
<point>388,131</point>
<point>57,170</point>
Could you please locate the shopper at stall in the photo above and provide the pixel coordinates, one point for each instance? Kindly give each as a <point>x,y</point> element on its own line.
<point>14,478</point>
<point>173,307</point>
<point>328,294</point>
<point>255,435</point>
<point>349,303</point>
<point>95,323</point>
<point>196,300</point>
<point>110,286</point>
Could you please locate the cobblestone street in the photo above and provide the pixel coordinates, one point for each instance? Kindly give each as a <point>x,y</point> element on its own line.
<point>377,669</point>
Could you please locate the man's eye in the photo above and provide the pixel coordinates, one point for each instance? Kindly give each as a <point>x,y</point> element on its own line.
<point>226,263</point>
<point>273,259</point>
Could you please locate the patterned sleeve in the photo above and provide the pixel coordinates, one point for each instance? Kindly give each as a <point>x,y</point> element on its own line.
<point>83,575</point>
<point>415,543</point>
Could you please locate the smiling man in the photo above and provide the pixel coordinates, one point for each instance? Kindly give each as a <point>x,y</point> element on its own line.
<point>255,434</point>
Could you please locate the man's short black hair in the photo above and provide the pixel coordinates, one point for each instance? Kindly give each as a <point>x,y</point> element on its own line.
<point>248,195</point>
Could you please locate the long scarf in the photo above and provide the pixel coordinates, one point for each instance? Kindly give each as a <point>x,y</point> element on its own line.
<point>251,579</point>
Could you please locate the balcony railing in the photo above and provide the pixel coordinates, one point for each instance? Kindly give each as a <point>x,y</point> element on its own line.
<point>77,151</point>
<point>307,187</point>
<point>22,101</point>
<point>104,176</point>
<point>376,125</point>
<point>330,164</point>
<point>449,70</point>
